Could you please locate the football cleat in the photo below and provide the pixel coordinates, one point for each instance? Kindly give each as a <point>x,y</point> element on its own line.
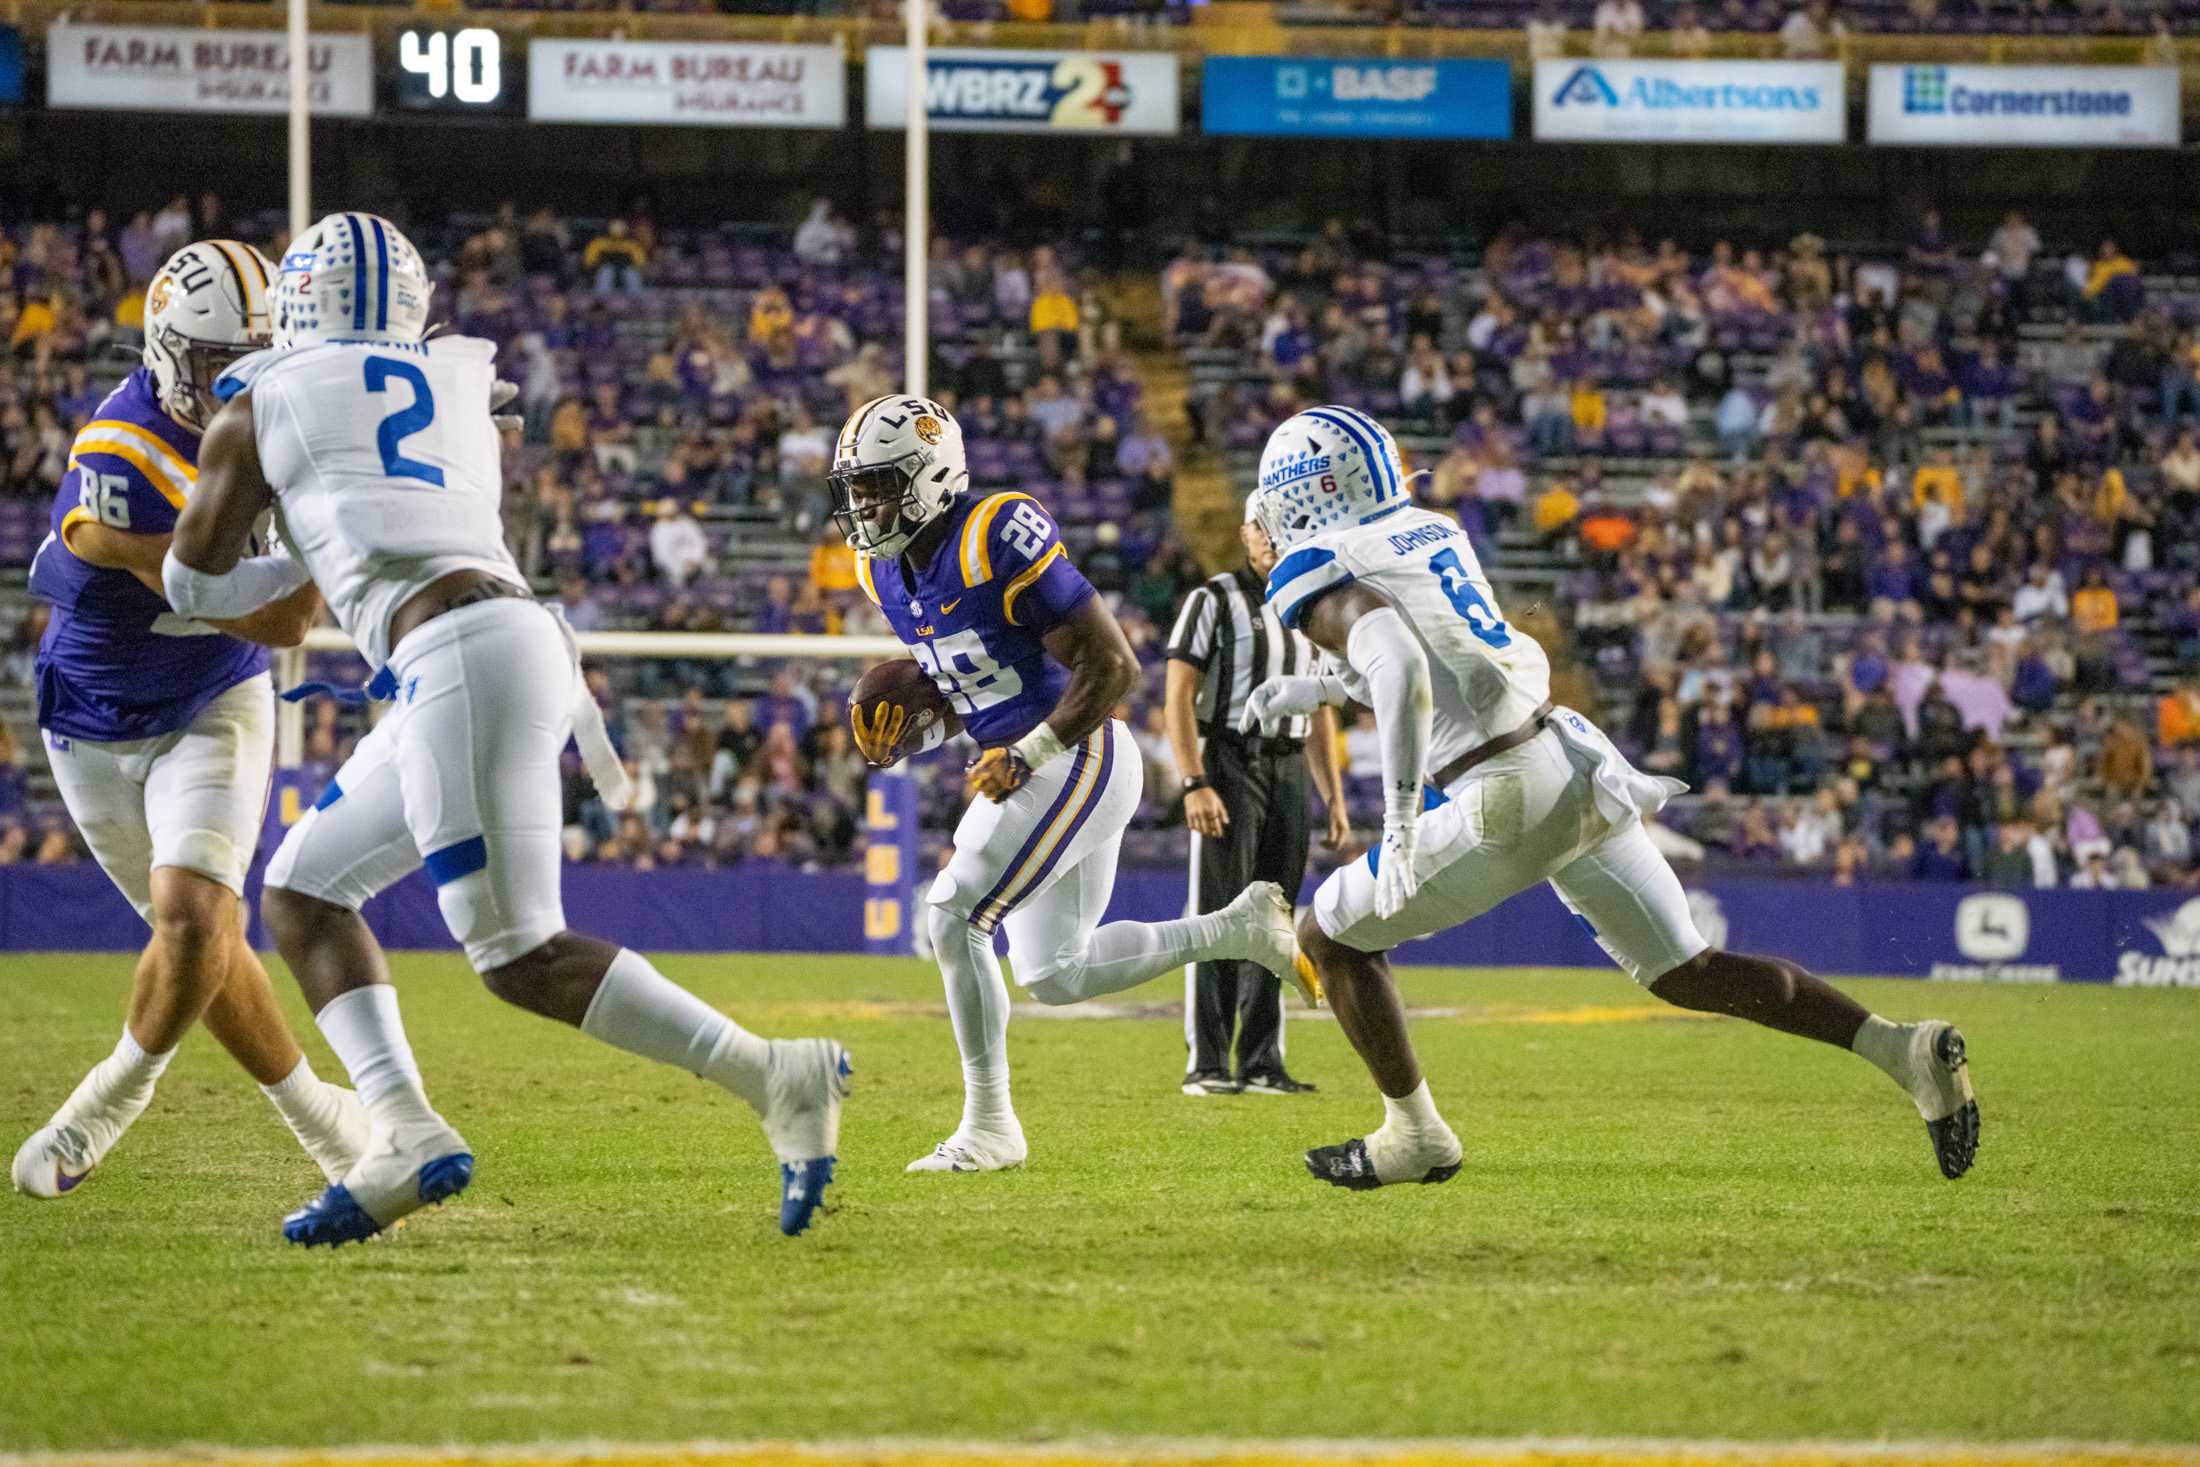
<point>1261,924</point>
<point>803,1089</point>
<point>54,1162</point>
<point>1353,1166</point>
<point>1951,1112</point>
<point>1274,1082</point>
<point>421,1163</point>
<point>975,1151</point>
<point>1210,1082</point>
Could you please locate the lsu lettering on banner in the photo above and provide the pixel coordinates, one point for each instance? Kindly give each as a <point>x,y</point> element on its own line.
<point>2026,106</point>
<point>1690,101</point>
<point>1098,92</point>
<point>708,83</point>
<point>157,69</point>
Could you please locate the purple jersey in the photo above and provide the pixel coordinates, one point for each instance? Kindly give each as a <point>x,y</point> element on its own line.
<point>116,663</point>
<point>977,616</point>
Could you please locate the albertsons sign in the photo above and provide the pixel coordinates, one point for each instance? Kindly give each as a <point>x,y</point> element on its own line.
<point>1690,101</point>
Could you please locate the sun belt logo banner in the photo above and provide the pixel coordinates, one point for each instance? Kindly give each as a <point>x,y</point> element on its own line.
<point>2026,106</point>
<point>987,90</point>
<point>1690,101</point>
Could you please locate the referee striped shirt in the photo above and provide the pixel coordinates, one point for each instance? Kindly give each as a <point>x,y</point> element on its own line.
<point>1227,630</point>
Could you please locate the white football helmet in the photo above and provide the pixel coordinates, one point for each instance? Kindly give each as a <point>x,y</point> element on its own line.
<point>351,277</point>
<point>1324,468</point>
<point>899,451</point>
<point>206,307</point>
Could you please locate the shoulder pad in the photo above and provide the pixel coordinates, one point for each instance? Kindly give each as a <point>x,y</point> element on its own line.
<point>1303,576</point>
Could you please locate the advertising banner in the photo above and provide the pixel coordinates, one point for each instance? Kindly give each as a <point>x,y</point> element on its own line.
<point>1108,93</point>
<point>1690,101</point>
<point>2026,106</point>
<point>719,84</point>
<point>141,68</point>
<point>1295,96</point>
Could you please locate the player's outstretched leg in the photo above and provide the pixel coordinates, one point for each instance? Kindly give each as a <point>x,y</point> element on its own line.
<point>1254,927</point>
<point>196,966</point>
<point>413,1158</point>
<point>1928,1059</point>
<point>614,994</point>
<point>1414,1144</point>
<point>989,1138</point>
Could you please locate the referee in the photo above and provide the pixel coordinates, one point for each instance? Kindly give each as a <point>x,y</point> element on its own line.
<point>1245,800</point>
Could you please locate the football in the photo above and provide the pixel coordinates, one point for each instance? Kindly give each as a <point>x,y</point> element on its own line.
<point>909,687</point>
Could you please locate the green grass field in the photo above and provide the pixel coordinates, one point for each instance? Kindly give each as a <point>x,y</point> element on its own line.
<point>1672,1227</point>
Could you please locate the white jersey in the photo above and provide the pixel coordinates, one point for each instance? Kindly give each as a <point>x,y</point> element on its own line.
<point>386,469</point>
<point>1487,678</point>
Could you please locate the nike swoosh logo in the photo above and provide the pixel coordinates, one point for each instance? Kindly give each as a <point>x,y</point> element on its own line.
<point>65,1181</point>
<point>947,606</point>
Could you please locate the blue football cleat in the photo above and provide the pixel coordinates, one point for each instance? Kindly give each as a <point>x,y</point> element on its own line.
<point>418,1165</point>
<point>802,1191</point>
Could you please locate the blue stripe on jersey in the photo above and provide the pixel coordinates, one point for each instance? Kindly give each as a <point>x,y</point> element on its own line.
<point>358,269</point>
<point>1377,470</point>
<point>1301,577</point>
<point>382,275</point>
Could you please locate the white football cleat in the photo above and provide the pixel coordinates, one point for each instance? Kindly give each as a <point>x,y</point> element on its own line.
<point>1938,1077</point>
<point>1388,1156</point>
<point>416,1164</point>
<point>975,1151</point>
<point>1261,922</point>
<point>59,1156</point>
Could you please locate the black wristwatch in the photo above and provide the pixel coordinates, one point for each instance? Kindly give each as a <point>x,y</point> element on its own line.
<point>1196,782</point>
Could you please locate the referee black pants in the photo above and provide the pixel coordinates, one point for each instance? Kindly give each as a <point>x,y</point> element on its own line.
<point>1266,840</point>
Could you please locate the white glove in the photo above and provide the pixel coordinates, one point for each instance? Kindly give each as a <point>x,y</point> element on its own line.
<point>501,396</point>
<point>1394,879</point>
<point>1280,698</point>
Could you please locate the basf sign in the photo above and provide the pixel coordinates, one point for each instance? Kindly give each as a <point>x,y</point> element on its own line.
<point>1297,96</point>
<point>1095,93</point>
<point>1690,101</point>
<point>2025,106</point>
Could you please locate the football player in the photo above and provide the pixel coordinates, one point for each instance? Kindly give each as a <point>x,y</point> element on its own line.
<point>1489,789</point>
<point>982,592</point>
<point>160,730</point>
<point>376,448</point>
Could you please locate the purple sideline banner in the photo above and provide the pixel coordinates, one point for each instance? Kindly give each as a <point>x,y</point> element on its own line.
<point>1908,930</point>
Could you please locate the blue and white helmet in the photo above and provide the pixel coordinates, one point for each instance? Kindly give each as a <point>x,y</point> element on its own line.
<point>351,277</point>
<point>1326,468</point>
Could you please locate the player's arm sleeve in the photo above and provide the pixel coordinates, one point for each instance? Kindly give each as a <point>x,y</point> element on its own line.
<point>1383,650</point>
<point>1193,638</point>
<point>206,573</point>
<point>1302,578</point>
<point>1040,588</point>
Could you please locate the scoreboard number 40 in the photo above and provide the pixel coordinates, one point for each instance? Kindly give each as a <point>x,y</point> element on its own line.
<point>466,66</point>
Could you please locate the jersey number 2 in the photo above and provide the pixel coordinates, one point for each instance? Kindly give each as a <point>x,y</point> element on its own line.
<point>405,422</point>
<point>1467,601</point>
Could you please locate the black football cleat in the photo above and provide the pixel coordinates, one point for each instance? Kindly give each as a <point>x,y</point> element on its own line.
<point>1955,1133</point>
<point>1273,1082</point>
<point>1349,1166</point>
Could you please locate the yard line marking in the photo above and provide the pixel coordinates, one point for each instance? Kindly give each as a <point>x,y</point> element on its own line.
<point>1510,1452</point>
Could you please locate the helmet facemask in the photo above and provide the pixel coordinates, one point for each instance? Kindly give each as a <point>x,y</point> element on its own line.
<point>861,491</point>
<point>187,387</point>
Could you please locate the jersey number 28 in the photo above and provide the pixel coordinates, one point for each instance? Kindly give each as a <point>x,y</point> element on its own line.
<point>972,679</point>
<point>1467,601</point>
<point>406,421</point>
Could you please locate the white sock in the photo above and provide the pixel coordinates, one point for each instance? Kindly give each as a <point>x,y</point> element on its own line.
<point>122,1083</point>
<point>1414,1114</point>
<point>302,1100</point>
<point>977,1008</point>
<point>640,1010</point>
<point>364,1029</point>
<point>1125,954</point>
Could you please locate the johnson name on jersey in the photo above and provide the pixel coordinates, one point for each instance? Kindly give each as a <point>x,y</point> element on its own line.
<point>1487,677</point>
<point>116,664</point>
<point>386,468</point>
<point>977,616</point>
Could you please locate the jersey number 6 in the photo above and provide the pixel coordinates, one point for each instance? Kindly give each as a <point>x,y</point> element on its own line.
<point>1467,601</point>
<point>405,422</point>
